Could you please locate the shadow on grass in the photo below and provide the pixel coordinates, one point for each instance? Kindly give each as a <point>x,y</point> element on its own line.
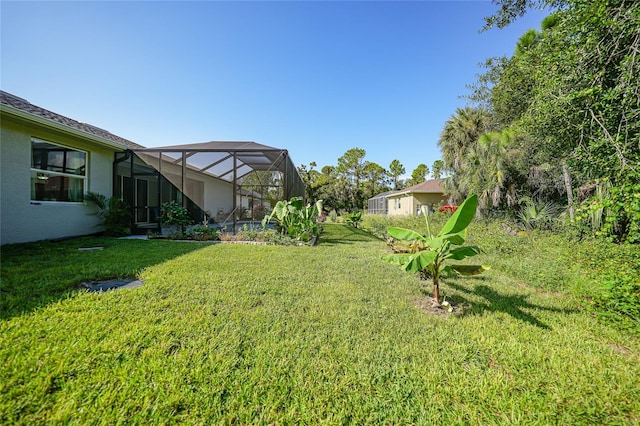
<point>514,305</point>
<point>335,233</point>
<point>34,275</point>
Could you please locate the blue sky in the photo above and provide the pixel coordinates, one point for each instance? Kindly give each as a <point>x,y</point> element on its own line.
<point>316,78</point>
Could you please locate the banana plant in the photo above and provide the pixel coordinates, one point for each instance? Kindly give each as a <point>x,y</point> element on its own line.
<point>354,218</point>
<point>428,253</point>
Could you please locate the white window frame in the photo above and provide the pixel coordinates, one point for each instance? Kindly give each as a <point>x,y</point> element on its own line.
<point>40,172</point>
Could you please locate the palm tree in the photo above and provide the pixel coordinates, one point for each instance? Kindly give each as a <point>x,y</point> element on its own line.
<point>460,134</point>
<point>486,173</point>
<point>461,131</point>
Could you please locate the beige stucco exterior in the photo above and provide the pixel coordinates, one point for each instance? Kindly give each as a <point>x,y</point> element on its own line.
<point>410,203</point>
<point>22,219</point>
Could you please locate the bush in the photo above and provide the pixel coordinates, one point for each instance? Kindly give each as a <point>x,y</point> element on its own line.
<point>173,214</point>
<point>613,212</point>
<point>203,233</point>
<point>538,215</point>
<point>114,213</point>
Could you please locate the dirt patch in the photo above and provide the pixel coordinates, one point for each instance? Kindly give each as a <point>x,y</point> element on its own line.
<point>428,305</point>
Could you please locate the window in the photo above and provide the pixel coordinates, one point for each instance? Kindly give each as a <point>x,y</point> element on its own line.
<point>397,204</point>
<point>58,173</point>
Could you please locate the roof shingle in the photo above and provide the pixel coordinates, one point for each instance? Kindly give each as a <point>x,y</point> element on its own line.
<point>431,186</point>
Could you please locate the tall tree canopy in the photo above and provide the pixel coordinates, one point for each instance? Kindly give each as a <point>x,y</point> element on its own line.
<point>570,98</point>
<point>347,186</point>
<point>437,168</point>
<point>396,169</point>
<point>419,174</point>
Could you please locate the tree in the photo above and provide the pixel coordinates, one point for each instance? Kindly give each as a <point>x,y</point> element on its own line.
<point>510,10</point>
<point>487,172</point>
<point>437,168</point>
<point>351,169</point>
<point>461,132</point>
<point>331,188</point>
<point>265,183</point>
<point>310,178</point>
<point>376,179</point>
<point>573,91</point>
<point>419,174</point>
<point>396,169</point>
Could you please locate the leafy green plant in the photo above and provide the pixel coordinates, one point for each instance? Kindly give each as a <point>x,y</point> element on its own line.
<point>295,219</point>
<point>174,214</point>
<point>618,300</point>
<point>203,233</point>
<point>427,254</point>
<point>614,211</point>
<point>537,215</point>
<point>114,214</point>
<point>354,218</point>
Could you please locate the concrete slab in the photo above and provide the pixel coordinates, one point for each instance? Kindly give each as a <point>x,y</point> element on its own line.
<point>98,286</point>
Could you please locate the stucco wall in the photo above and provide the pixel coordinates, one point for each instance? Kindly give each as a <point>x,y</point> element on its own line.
<point>22,220</point>
<point>405,208</point>
<point>409,203</point>
<point>218,195</point>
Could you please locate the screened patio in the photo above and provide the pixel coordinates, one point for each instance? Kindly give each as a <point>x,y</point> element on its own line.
<point>222,182</point>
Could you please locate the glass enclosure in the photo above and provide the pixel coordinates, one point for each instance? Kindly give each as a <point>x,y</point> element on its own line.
<point>218,182</point>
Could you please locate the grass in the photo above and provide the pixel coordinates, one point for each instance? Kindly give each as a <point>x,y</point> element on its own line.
<point>317,335</point>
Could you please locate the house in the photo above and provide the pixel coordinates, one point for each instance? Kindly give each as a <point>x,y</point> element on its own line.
<point>49,161</point>
<point>411,200</point>
<point>380,203</point>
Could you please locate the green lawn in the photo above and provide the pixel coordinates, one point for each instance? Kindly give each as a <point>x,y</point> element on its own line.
<point>328,334</point>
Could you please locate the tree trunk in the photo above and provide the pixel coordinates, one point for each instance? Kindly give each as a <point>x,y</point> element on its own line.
<point>436,292</point>
<point>567,185</point>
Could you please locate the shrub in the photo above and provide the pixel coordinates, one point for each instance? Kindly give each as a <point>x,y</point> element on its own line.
<point>614,211</point>
<point>203,233</point>
<point>354,218</point>
<point>537,215</point>
<point>173,214</point>
<point>114,213</point>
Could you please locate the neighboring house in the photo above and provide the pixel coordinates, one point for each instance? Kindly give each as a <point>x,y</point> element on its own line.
<point>411,200</point>
<point>48,162</point>
<point>380,203</point>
